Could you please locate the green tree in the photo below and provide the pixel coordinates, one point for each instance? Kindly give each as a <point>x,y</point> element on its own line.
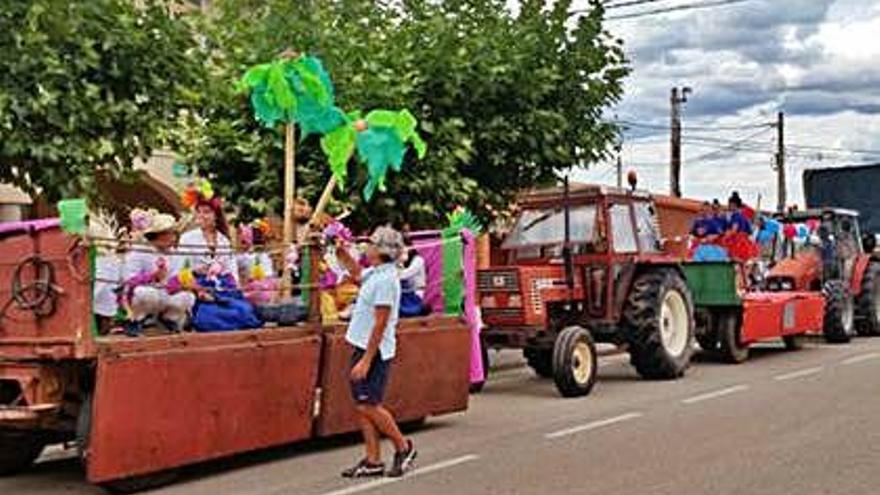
<point>88,86</point>
<point>504,101</point>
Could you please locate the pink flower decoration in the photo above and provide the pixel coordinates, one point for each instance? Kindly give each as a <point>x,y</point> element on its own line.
<point>337,230</point>
<point>140,220</point>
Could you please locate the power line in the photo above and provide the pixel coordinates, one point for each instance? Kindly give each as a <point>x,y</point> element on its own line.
<point>665,127</point>
<point>677,8</point>
<point>616,4</point>
<point>730,147</point>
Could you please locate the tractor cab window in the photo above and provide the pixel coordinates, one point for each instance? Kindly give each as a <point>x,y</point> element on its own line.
<point>646,227</point>
<point>622,233</point>
<point>541,232</point>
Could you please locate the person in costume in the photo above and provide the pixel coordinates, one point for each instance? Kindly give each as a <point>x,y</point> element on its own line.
<point>256,270</point>
<point>147,291</point>
<point>207,247</point>
<point>338,289</point>
<point>413,281</point>
<point>738,237</point>
<point>208,254</point>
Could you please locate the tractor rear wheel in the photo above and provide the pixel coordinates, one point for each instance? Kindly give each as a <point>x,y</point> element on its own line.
<point>868,303</point>
<point>574,362</point>
<point>839,313</point>
<point>658,319</point>
<point>18,450</point>
<point>540,360</point>
<point>729,325</point>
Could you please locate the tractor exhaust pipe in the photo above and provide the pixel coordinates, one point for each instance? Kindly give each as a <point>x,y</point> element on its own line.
<point>566,246</point>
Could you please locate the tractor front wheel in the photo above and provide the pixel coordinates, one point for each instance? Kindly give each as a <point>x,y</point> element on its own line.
<point>868,304</point>
<point>18,450</point>
<point>659,323</point>
<point>839,313</point>
<point>574,362</point>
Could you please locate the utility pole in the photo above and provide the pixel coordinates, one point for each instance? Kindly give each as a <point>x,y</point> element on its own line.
<point>780,162</point>
<point>619,149</point>
<point>676,98</point>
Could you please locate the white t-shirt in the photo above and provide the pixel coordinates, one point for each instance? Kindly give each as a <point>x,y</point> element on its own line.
<point>194,248</point>
<point>108,275</point>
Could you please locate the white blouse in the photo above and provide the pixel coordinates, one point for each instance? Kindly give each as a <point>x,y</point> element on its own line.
<point>195,253</point>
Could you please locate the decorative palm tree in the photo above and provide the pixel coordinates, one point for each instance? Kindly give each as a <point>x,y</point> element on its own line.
<point>297,90</point>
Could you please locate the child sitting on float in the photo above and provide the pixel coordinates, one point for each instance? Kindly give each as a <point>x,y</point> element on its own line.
<point>255,268</point>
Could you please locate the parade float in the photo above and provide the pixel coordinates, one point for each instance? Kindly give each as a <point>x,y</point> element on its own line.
<point>139,408</point>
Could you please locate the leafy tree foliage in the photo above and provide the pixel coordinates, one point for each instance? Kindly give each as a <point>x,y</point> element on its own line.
<point>504,101</point>
<point>87,86</point>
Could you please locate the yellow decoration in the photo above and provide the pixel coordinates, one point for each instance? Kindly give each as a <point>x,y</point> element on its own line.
<point>187,279</point>
<point>257,272</point>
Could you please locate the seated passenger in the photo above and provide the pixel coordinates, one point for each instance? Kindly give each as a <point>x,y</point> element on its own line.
<point>208,253</point>
<point>738,237</point>
<point>255,268</point>
<point>413,281</point>
<point>147,272</point>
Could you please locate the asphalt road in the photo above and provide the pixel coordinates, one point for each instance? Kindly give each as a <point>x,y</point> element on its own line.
<point>805,422</point>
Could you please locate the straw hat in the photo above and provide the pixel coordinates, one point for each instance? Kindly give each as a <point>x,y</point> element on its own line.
<point>161,222</point>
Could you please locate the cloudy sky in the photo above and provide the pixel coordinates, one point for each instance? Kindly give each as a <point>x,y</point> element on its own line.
<point>816,60</point>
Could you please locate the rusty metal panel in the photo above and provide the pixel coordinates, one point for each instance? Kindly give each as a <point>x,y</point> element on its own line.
<point>199,399</point>
<point>66,332</point>
<point>429,376</point>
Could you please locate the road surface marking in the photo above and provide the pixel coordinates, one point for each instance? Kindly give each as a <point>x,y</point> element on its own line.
<point>362,487</point>
<point>799,373</point>
<point>594,425</point>
<point>859,359</point>
<point>713,395</point>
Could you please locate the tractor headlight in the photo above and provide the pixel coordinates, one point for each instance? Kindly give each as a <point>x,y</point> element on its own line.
<point>787,285</point>
<point>488,302</point>
<point>514,301</point>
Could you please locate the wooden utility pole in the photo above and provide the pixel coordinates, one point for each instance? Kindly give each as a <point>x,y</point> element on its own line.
<point>676,98</point>
<point>289,194</point>
<point>780,163</point>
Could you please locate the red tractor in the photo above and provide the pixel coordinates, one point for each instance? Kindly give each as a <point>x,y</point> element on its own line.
<point>586,265</point>
<point>830,258</point>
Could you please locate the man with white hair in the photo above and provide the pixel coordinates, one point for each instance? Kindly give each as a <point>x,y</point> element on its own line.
<point>372,335</point>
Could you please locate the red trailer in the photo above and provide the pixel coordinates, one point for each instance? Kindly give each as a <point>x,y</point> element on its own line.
<point>140,407</point>
<point>731,316</point>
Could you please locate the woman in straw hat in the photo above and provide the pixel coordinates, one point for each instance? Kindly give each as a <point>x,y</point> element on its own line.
<point>147,272</point>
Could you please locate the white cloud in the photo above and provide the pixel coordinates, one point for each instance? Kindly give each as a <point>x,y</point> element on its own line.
<point>817,60</point>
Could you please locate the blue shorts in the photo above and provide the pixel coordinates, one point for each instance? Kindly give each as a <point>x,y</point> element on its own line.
<point>370,390</point>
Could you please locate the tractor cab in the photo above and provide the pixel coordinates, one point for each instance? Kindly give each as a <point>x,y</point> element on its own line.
<point>820,245</point>
<point>608,230</point>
